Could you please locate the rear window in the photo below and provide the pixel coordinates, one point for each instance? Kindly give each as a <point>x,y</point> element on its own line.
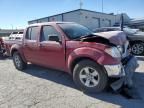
<point>32,33</point>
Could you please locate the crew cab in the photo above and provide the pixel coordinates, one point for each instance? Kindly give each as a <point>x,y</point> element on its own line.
<point>91,59</point>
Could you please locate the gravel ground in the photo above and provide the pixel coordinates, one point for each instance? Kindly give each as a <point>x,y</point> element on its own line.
<point>38,87</point>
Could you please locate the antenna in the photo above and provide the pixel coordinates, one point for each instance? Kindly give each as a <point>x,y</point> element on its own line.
<point>81,4</point>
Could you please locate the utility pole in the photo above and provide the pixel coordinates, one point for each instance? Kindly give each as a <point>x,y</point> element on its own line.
<point>12,26</point>
<point>102,6</point>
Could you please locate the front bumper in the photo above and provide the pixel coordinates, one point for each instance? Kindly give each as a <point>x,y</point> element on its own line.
<point>128,66</point>
<point>115,70</point>
<point>124,71</point>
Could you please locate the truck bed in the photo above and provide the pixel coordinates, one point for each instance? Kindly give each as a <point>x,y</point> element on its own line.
<point>9,43</point>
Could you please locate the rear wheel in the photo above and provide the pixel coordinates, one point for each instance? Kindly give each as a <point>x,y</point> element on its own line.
<point>89,76</point>
<point>18,62</point>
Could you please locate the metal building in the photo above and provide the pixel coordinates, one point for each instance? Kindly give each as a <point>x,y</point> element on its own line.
<point>90,19</point>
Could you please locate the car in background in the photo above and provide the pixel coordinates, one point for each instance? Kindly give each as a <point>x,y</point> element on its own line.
<point>135,37</point>
<point>16,36</point>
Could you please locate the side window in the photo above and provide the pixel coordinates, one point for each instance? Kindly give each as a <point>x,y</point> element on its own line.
<point>28,35</point>
<point>48,31</point>
<point>32,33</point>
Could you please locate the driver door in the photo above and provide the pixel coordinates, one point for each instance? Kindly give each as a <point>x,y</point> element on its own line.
<point>51,52</point>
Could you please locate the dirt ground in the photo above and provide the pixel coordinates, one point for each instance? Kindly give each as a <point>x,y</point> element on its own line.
<point>39,87</point>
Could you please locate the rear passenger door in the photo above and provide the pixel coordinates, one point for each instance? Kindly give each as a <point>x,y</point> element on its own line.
<point>30,47</point>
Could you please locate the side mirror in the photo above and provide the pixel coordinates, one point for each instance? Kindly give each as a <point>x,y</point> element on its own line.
<point>54,37</point>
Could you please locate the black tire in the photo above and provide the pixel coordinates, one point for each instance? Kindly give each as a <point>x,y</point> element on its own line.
<point>18,61</point>
<point>103,77</point>
<point>137,48</point>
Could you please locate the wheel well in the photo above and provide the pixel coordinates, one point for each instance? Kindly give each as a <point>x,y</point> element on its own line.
<point>12,52</point>
<point>78,60</point>
<point>137,41</point>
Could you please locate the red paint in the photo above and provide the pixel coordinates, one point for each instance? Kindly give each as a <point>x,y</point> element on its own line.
<point>8,45</point>
<point>61,55</point>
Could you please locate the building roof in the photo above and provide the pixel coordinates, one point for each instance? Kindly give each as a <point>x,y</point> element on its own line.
<point>50,23</point>
<point>73,11</point>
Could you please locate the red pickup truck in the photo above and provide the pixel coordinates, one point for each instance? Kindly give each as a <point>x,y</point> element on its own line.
<point>90,58</point>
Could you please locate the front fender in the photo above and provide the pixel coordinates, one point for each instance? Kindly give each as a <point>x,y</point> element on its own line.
<point>99,56</point>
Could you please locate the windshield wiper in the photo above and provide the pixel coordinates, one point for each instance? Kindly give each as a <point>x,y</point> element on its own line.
<point>85,36</point>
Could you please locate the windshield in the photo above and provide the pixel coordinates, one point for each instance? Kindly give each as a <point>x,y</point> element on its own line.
<point>74,31</point>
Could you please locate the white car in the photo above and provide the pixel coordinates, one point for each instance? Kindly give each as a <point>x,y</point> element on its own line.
<point>16,36</point>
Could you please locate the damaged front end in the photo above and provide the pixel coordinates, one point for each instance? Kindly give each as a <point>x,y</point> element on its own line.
<point>123,71</point>
<point>128,67</point>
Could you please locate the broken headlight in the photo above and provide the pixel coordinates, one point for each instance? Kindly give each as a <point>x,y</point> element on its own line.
<point>121,49</point>
<point>114,52</point>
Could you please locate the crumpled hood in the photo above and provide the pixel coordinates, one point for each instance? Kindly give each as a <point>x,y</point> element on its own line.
<point>115,37</point>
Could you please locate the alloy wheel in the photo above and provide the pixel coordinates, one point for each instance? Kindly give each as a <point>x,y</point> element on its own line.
<point>89,77</point>
<point>17,60</point>
<point>138,49</point>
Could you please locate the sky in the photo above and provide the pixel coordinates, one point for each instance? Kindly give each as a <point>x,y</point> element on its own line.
<point>16,13</point>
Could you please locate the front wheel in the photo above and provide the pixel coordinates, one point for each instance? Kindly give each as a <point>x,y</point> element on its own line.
<point>18,61</point>
<point>89,76</point>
